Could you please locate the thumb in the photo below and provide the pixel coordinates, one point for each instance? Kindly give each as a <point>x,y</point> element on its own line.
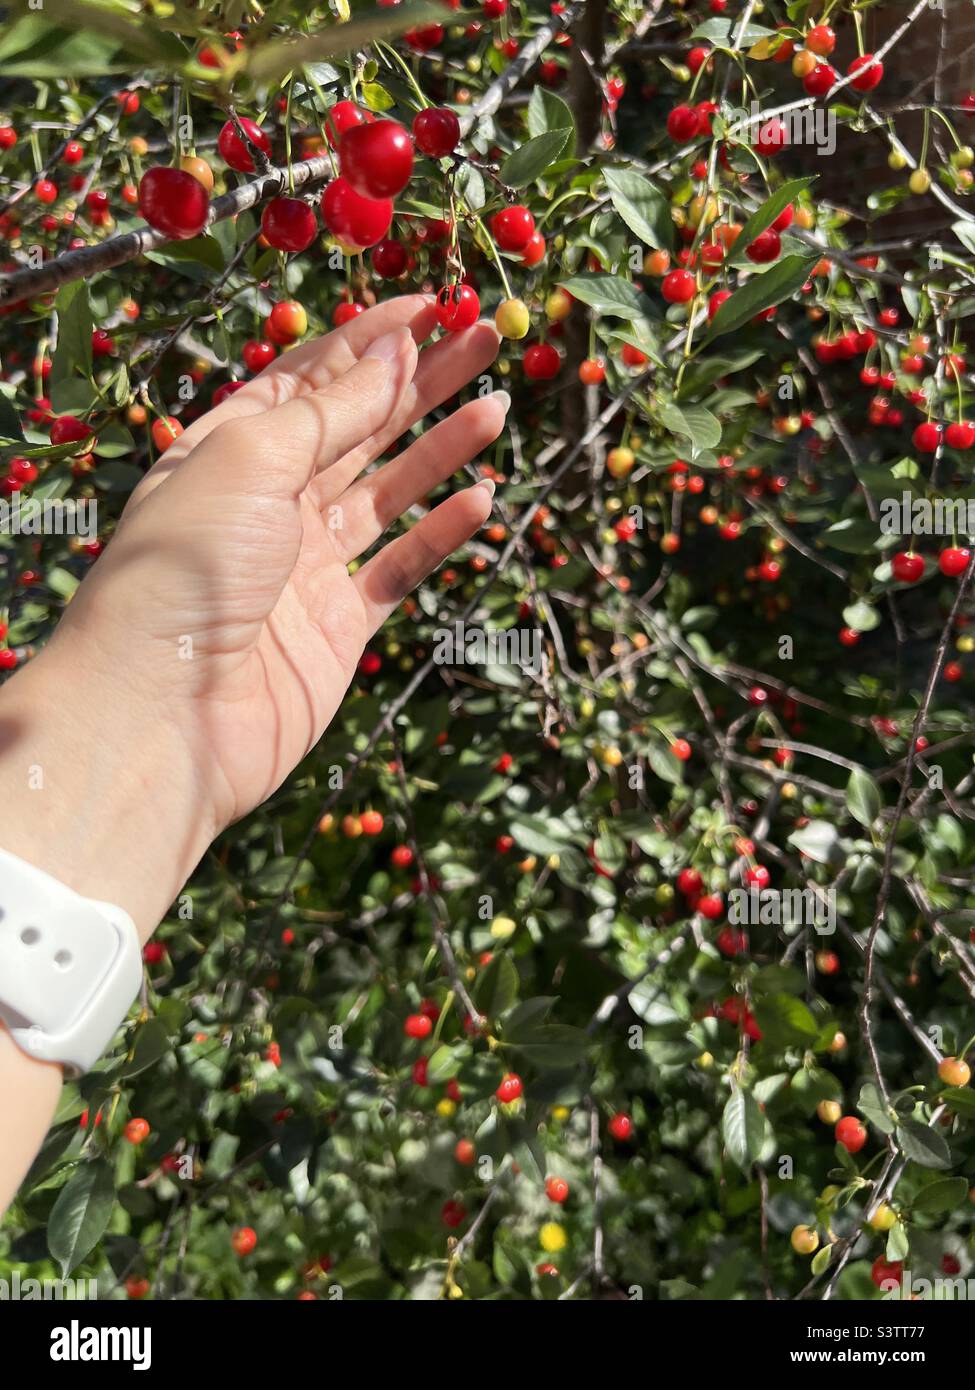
<point>276,454</point>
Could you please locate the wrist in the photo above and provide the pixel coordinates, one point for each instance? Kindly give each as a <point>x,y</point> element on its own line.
<point>97,789</point>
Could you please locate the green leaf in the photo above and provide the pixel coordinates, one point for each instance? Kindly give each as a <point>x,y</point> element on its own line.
<point>554,1045</point>
<point>764,217</point>
<point>821,1260</point>
<point>376,97</point>
<point>817,840</point>
<point>863,797</point>
<point>530,160</point>
<point>785,1020</point>
<point>871,1106</point>
<point>943,1195</point>
<point>446,1062</point>
<point>642,207</point>
<point>702,428</point>
<point>923,1145</point>
<point>10,426</point>
<point>761,292</point>
<point>202,250</point>
<point>743,1128</point>
<point>151,1045</point>
<point>607,294</point>
<point>898,1246</point>
<point>722,32</point>
<point>547,111</point>
<point>81,1214</point>
<point>497,986</point>
<point>861,616</point>
<point>74,334</point>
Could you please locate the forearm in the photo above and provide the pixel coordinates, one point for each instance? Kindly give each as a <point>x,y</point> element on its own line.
<point>102,796</point>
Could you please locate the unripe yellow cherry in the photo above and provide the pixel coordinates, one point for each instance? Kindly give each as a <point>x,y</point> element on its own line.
<point>804,1240</point>
<point>896,160</point>
<point>920,181</point>
<point>954,1072</point>
<point>512,319</point>
<point>883,1218</point>
<point>619,462</point>
<point>557,306</point>
<point>829,1111</point>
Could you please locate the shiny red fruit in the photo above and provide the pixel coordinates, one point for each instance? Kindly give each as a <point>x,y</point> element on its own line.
<point>353,219</point>
<point>510,1088</point>
<point>257,355</point>
<point>417,1026</point>
<point>684,124</point>
<point>621,1127</point>
<point>678,287</point>
<point>235,151</point>
<point>689,882</point>
<point>343,116</point>
<point>457,307</point>
<point>288,224</point>
<point>513,228</point>
<point>173,202</point>
<point>884,1271</point>
<point>389,259</point>
<point>927,437</point>
<point>68,429</point>
<point>907,566</point>
<point>850,1133</point>
<point>377,159</point>
<point>868,77</point>
<point>820,80</point>
<point>244,1240</point>
<point>954,561</point>
<point>766,247</point>
<point>960,434</point>
<point>541,362</point>
<point>436,131</point>
<point>556,1189</point>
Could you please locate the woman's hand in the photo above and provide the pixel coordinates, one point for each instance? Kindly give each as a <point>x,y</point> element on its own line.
<point>215,638</point>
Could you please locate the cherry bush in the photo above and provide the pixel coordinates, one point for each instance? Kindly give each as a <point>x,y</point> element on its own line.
<point>641,967</point>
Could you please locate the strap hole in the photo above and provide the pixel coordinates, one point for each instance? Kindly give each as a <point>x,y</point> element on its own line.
<point>63,960</point>
<point>30,936</point>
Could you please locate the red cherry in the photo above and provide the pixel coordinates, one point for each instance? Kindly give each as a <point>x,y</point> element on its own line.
<point>818,82</point>
<point>342,117</point>
<point>465,1153</point>
<point>376,159</point>
<point>389,259</point>
<point>513,228</point>
<point>154,953</point>
<point>137,1131</point>
<point>869,77</point>
<point>244,1240</point>
<point>401,857</point>
<point>345,313</point>
<point>534,251</point>
<point>772,137</point>
<point>631,356</point>
<point>288,224</point>
<point>684,124</point>
<point>425,38</point>
<point>711,906</point>
<point>681,749</point>
<point>45,191</point>
<point>849,636</point>
<point>765,247</point>
<point>697,57</point>
<point>417,1026</point>
<point>850,1133</point>
<point>173,202</point>
<point>510,1088</point>
<point>757,695</point>
<point>226,390</point>
<point>257,355</point>
<point>289,319</point>
<point>541,362</point>
<point>353,219</point>
<point>884,1271</point>
<point>494,9</point>
<point>907,567</point>
<point>689,882</point>
<point>758,877</point>
<point>452,1214</point>
<point>592,372</point>
<point>8,138</point>
<point>556,1189</point>
<point>678,287</point>
<point>784,219</point>
<point>953,671</point>
<point>371,822</point>
<point>927,437</point>
<point>457,307</point>
<point>821,40</point>
<point>8,659</point>
<point>954,561</point>
<point>621,1127</point>
<point>731,942</point>
<point>436,131</point>
<point>715,302</point>
<point>68,429</point>
<point>235,151</point>
<point>960,435</point>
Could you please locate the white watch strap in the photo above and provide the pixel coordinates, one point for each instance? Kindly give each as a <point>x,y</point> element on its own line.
<point>70,967</point>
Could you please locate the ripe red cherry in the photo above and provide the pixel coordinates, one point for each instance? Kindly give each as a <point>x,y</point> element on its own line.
<point>960,435</point>
<point>173,202</point>
<point>436,131</point>
<point>784,219</point>
<point>621,1126</point>
<point>758,877</point>
<point>371,822</point>
<point>731,942</point>
<point>288,224</point>
<point>818,82</point>
<point>711,906</point>
<point>765,247</point>
<point>907,566</point>
<point>592,372</point>
<point>244,1240</point>
<point>494,9</point>
<point>534,251</point>
<point>953,671</point>
<point>137,1131</point>
<point>868,77</point>
<point>510,1088</point>
<point>715,302</point>
<point>457,307</point>
<point>850,1133</point>
<point>289,319</point>
<point>257,355</point>
<point>45,191</point>
<point>401,857</point>
<point>513,228</point>
<point>684,124</point>
<point>541,362</point>
<point>849,636</point>
<point>757,695</point>
<point>697,57</point>
<point>631,356</point>
<point>689,882</point>
<point>235,151</point>
<point>954,561</point>
<point>556,1189</point>
<point>821,40</point>
<point>884,1271</point>
<point>136,1286</point>
<point>342,117</point>
<point>8,137</point>
<point>229,388</point>
<point>452,1214</point>
<point>417,1026</point>
<point>927,437</point>
<point>681,749</point>
<point>353,219</point>
<point>8,659</point>
<point>389,259</point>
<point>678,287</point>
<point>772,137</point>
<point>465,1153</point>
<point>377,158</point>
<point>68,429</point>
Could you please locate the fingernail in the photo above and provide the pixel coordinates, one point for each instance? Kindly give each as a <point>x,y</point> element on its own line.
<point>503,400</point>
<point>488,485</point>
<point>390,346</point>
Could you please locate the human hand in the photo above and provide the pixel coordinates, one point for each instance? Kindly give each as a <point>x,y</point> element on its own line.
<point>215,638</point>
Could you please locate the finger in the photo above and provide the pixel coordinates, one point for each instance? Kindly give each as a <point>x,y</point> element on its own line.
<point>276,454</point>
<point>375,501</point>
<point>307,368</point>
<point>444,369</point>
<point>388,577</point>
